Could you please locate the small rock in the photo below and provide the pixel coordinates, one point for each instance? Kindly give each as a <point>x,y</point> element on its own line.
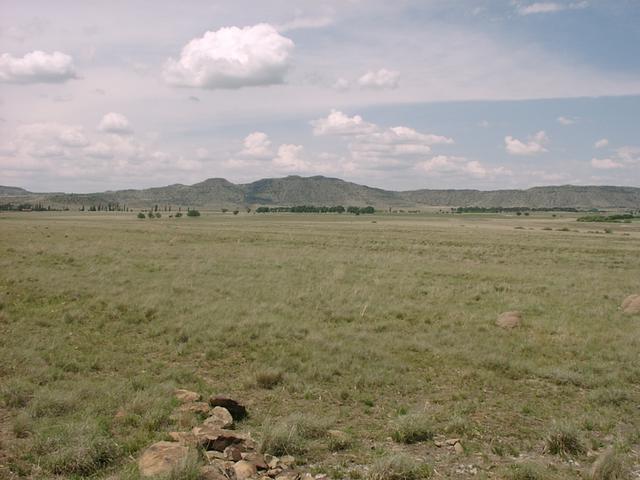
<point>213,455</point>
<point>458,448</point>
<point>212,472</point>
<point>287,460</point>
<point>288,475</point>
<point>232,453</point>
<point>161,458</point>
<point>237,411</point>
<point>201,408</point>
<point>257,459</point>
<point>274,472</point>
<point>211,438</point>
<point>272,462</point>
<point>307,476</point>
<point>452,441</point>
<point>183,438</point>
<point>631,305</point>
<point>186,396</point>
<point>220,417</point>
<point>244,470</point>
<point>438,443</point>
<point>509,319</point>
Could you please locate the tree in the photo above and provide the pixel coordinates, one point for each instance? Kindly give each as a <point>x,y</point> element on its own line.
<point>235,212</point>
<point>141,215</point>
<point>193,213</point>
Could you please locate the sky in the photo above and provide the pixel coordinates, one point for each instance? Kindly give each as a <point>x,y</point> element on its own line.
<point>486,94</point>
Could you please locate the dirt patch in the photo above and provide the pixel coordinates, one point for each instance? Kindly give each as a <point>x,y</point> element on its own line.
<point>631,304</point>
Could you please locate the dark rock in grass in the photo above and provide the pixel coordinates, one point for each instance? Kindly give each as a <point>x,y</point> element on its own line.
<point>237,411</point>
<point>509,319</point>
<point>162,458</point>
<point>631,305</point>
<point>233,453</point>
<point>212,438</point>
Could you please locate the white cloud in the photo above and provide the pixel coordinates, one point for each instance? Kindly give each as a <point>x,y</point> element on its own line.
<point>341,84</point>
<point>550,7</point>
<point>337,123</point>
<point>115,123</point>
<point>290,159</point>
<point>99,150</point>
<point>603,142</point>
<point>628,154</point>
<point>534,145</point>
<point>380,79</point>
<point>305,22</point>
<point>257,145</point>
<point>36,67</point>
<point>566,120</point>
<point>605,163</point>
<point>232,57</point>
<point>447,165</point>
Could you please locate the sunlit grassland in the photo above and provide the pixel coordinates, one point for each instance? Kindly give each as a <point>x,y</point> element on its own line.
<point>363,319</point>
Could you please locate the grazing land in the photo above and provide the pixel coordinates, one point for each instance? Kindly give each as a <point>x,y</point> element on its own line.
<point>380,326</point>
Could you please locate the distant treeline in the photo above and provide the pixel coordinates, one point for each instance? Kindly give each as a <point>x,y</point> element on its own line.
<point>313,209</point>
<point>623,217</point>
<point>29,207</point>
<point>512,209</point>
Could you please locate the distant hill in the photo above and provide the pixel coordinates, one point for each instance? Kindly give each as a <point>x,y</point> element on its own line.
<point>318,190</point>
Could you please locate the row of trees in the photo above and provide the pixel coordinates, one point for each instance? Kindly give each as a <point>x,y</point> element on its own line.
<point>314,209</point>
<point>155,214</point>
<point>29,207</point>
<point>511,209</point>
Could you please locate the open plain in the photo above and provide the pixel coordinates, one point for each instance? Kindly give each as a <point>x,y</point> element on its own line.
<point>380,326</point>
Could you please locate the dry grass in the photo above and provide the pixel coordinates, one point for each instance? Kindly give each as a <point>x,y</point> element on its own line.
<point>106,313</point>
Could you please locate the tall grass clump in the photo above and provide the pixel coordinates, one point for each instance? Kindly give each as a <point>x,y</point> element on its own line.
<point>290,435</point>
<point>564,440</point>
<point>398,467</point>
<point>412,428</point>
<point>611,465</point>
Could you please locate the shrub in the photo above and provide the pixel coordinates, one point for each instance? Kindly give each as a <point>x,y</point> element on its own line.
<point>289,436</point>
<point>412,429</point>
<point>193,213</point>
<point>150,214</point>
<point>235,212</point>
<point>141,215</point>
<point>268,378</point>
<point>398,467</point>
<point>158,215</point>
<point>564,440</point>
<point>525,471</point>
<point>22,425</point>
<point>178,215</point>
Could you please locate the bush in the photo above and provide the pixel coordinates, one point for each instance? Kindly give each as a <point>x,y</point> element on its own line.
<point>158,215</point>
<point>141,215</point>
<point>412,429</point>
<point>235,212</point>
<point>564,440</point>
<point>178,215</point>
<point>193,213</point>
<point>398,467</point>
<point>150,215</point>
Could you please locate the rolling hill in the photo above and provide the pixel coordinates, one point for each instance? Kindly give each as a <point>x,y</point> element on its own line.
<point>319,190</point>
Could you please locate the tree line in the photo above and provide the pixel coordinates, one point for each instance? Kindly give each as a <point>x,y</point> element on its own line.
<point>314,209</point>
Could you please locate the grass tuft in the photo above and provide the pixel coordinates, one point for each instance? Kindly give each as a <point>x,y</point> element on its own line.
<point>564,440</point>
<point>412,428</point>
<point>269,379</point>
<point>398,467</point>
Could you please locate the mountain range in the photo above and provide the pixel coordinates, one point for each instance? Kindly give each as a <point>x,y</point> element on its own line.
<point>295,190</point>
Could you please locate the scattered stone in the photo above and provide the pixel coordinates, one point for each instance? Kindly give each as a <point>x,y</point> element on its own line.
<point>212,438</point>
<point>212,456</point>
<point>232,453</point>
<point>186,396</point>
<point>244,470</point>
<point>257,459</point>
<point>509,319</point>
<point>183,438</point>
<point>161,458</point>
<point>272,462</point>
<point>631,304</point>
<point>307,476</point>
<point>274,472</point>
<point>458,448</point>
<point>287,460</point>
<point>288,475</point>
<point>201,408</point>
<point>212,472</point>
<point>452,441</point>
<point>237,411</point>
<point>220,417</point>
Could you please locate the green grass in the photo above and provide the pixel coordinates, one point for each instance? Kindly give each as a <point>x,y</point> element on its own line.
<point>341,321</point>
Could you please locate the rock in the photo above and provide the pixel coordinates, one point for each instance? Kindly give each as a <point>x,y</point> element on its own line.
<point>438,443</point>
<point>201,408</point>
<point>307,476</point>
<point>212,438</point>
<point>220,417</point>
<point>452,441</point>
<point>631,304</point>
<point>288,475</point>
<point>272,462</point>
<point>232,453</point>
<point>257,459</point>
<point>274,472</point>
<point>237,411</point>
<point>244,470</point>
<point>186,396</point>
<point>287,460</point>
<point>212,472</point>
<point>212,456</point>
<point>509,319</point>
<point>183,438</point>
<point>458,448</point>
<point>161,458</point>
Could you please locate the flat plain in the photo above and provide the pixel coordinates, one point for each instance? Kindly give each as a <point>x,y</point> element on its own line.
<point>380,326</point>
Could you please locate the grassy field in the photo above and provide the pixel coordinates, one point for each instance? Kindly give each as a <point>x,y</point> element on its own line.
<point>380,326</point>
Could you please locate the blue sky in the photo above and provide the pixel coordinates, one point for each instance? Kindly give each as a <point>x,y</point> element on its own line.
<point>413,94</point>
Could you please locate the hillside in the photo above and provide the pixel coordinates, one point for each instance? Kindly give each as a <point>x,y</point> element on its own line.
<point>318,190</point>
